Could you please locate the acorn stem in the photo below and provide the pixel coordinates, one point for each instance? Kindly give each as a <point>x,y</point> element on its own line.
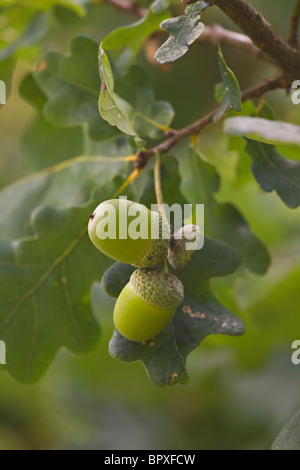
<point>157,185</point>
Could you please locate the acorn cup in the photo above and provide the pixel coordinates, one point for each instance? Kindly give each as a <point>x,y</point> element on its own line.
<point>147,303</point>
<point>178,254</point>
<point>129,232</point>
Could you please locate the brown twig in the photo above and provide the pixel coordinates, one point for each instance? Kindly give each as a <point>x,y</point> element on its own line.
<point>263,36</point>
<point>270,47</point>
<point>293,34</point>
<point>177,135</point>
<point>216,34</point>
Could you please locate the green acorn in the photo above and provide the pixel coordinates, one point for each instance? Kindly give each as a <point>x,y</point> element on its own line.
<point>129,232</point>
<point>147,303</point>
<point>178,254</point>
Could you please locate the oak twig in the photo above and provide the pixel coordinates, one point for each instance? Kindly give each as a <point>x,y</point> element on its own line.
<point>216,34</point>
<point>176,136</point>
<point>263,36</point>
<point>260,41</point>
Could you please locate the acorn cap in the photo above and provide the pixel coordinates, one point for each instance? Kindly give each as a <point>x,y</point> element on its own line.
<point>178,255</point>
<point>157,287</point>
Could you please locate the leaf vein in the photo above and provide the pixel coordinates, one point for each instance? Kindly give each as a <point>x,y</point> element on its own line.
<point>30,292</point>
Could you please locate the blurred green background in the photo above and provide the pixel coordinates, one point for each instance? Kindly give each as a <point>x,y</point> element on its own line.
<point>242,390</point>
